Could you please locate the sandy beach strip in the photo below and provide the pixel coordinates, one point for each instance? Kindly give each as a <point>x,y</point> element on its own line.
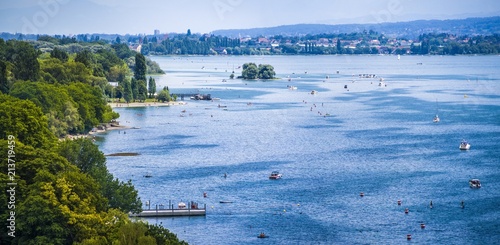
<point>146,104</point>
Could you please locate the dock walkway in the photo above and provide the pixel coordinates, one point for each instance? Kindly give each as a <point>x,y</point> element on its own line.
<point>191,209</point>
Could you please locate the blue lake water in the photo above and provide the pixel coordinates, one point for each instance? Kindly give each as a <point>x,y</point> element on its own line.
<point>379,140</point>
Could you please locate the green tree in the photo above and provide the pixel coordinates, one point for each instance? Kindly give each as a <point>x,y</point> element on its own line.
<point>24,59</point>
<point>151,87</point>
<point>5,82</point>
<point>86,156</point>
<point>142,90</point>
<point>266,72</point>
<point>134,85</point>
<point>25,121</point>
<point>250,71</point>
<point>140,67</point>
<point>164,95</point>
<point>59,54</point>
<point>85,57</point>
<point>127,91</point>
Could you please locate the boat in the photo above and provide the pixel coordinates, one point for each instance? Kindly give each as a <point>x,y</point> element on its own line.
<point>474,183</point>
<point>464,145</point>
<point>314,92</point>
<point>148,175</point>
<point>436,118</point>
<point>262,235</point>
<point>181,205</point>
<point>275,175</point>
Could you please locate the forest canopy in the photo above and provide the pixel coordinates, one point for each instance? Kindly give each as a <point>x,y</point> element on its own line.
<point>64,193</point>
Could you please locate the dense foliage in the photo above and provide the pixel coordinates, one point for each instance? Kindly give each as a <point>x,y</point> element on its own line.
<point>64,193</point>
<point>252,71</point>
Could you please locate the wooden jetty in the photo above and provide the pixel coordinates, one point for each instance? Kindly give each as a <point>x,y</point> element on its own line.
<point>191,209</point>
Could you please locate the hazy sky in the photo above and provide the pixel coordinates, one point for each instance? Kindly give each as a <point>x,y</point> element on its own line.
<point>144,16</point>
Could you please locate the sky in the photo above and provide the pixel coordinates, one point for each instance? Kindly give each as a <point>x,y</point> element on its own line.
<point>68,17</point>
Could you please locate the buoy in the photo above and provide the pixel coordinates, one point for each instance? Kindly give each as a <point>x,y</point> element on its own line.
<point>361,194</point>
<point>399,202</point>
<point>430,205</point>
<point>407,211</point>
<point>408,237</point>
<point>422,225</point>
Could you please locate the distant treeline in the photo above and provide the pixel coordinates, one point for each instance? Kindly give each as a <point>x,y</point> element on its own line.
<point>352,43</point>
<point>365,42</point>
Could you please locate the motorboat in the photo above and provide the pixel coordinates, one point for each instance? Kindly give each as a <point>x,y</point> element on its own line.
<point>464,145</point>
<point>474,183</point>
<point>275,175</point>
<point>436,118</point>
<point>314,92</point>
<point>181,205</point>
<point>262,235</point>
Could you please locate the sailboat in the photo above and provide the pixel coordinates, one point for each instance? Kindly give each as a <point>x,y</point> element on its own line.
<point>436,117</point>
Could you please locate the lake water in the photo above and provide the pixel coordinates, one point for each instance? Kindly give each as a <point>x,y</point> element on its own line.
<point>330,147</point>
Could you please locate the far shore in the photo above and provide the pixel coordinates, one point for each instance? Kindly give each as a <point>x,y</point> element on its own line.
<point>145,104</point>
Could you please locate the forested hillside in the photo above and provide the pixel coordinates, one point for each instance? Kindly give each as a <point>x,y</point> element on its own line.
<point>60,191</point>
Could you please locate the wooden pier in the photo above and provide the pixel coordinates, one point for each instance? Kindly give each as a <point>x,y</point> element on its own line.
<point>191,209</point>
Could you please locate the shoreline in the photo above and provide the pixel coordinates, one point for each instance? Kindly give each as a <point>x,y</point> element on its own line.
<point>145,104</point>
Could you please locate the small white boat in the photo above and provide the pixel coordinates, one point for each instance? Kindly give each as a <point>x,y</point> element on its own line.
<point>474,183</point>
<point>181,205</point>
<point>292,87</point>
<point>275,175</point>
<point>464,145</point>
<point>436,118</point>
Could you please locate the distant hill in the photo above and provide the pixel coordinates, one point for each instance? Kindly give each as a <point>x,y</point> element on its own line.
<point>410,29</point>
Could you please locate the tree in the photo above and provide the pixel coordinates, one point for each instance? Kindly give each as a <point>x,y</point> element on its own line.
<point>24,58</point>
<point>151,87</point>
<point>250,71</point>
<point>84,154</point>
<point>134,85</point>
<point>25,121</point>
<point>164,95</point>
<point>142,90</point>
<point>127,91</point>
<point>85,57</point>
<point>140,67</point>
<point>5,83</point>
<point>59,54</point>
<point>266,72</point>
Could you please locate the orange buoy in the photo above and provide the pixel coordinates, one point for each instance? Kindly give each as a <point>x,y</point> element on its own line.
<point>407,211</point>
<point>399,202</point>
<point>408,237</point>
<point>361,194</point>
<point>422,225</point>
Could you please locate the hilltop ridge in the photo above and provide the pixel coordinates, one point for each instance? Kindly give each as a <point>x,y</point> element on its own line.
<point>409,29</point>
